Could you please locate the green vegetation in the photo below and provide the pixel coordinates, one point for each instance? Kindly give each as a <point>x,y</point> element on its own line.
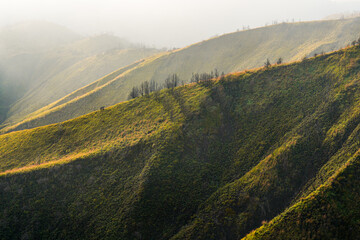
<point>275,148</point>
<point>231,52</point>
<point>172,81</point>
<point>331,212</point>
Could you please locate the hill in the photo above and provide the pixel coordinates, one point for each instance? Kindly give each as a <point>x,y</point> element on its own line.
<point>228,53</point>
<point>42,62</point>
<point>34,36</point>
<point>275,148</point>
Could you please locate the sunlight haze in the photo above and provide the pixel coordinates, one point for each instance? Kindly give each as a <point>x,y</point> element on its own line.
<point>163,23</point>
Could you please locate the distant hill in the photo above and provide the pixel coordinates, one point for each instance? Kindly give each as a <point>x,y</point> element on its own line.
<point>72,72</point>
<point>271,153</point>
<point>42,62</point>
<point>344,15</point>
<point>228,53</point>
<point>34,36</point>
<point>20,47</point>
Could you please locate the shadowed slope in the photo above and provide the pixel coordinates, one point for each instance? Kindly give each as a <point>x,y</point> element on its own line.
<point>203,161</point>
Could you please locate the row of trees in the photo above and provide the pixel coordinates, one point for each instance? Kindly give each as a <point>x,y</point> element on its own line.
<point>172,81</point>
<point>148,87</point>
<point>200,77</point>
<point>145,88</point>
<point>267,64</point>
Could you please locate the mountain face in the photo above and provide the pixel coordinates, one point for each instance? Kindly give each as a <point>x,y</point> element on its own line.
<point>228,53</point>
<point>264,154</point>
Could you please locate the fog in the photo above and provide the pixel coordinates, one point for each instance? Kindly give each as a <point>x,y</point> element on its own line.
<point>164,23</point>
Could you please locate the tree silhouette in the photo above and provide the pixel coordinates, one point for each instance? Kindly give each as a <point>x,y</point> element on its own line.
<point>134,93</point>
<point>172,81</point>
<point>267,64</point>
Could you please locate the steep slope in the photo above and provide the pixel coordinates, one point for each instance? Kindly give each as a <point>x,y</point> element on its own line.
<point>331,212</point>
<point>204,161</point>
<point>230,52</point>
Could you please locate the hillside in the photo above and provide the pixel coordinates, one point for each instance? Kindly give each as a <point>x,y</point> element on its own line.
<point>331,212</point>
<point>228,53</point>
<point>42,62</point>
<point>275,148</point>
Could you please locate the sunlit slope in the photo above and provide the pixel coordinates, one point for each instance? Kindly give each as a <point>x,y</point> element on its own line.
<point>204,161</point>
<point>89,97</point>
<point>230,52</point>
<point>53,110</point>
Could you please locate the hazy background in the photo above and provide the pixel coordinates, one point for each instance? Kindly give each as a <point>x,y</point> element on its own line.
<point>168,23</point>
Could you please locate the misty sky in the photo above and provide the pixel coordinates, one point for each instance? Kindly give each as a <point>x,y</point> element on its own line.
<point>169,23</point>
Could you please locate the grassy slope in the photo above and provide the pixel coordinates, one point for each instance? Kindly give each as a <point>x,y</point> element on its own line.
<point>206,161</point>
<point>286,172</point>
<point>230,52</point>
<point>330,212</point>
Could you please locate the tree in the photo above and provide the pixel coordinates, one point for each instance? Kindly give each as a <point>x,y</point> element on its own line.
<point>145,87</point>
<point>192,79</point>
<point>168,82</point>
<point>134,93</point>
<point>216,73</point>
<point>205,77</point>
<point>153,86</point>
<point>175,80</point>
<point>195,78</point>
<point>172,81</point>
<point>267,64</point>
<point>141,90</point>
<point>279,61</point>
